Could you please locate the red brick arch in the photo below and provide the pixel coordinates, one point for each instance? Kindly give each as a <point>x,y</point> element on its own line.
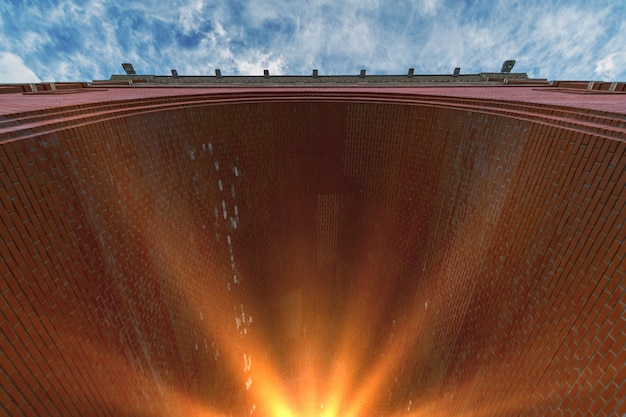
<point>442,251</point>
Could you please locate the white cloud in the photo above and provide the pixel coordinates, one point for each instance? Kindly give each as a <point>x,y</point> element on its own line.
<point>608,67</point>
<point>13,70</point>
<point>219,30</point>
<point>251,63</point>
<point>611,65</point>
<point>428,7</point>
<point>569,31</point>
<point>190,16</point>
<point>31,41</point>
<point>82,41</point>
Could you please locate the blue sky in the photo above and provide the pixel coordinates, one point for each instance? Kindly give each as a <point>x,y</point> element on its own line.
<point>69,40</point>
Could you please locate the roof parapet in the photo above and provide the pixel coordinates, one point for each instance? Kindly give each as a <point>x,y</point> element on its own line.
<point>315,78</point>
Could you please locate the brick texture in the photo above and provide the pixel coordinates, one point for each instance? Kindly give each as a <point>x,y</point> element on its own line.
<point>441,252</point>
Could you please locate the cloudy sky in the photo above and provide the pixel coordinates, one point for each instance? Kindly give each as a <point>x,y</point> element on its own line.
<point>69,40</point>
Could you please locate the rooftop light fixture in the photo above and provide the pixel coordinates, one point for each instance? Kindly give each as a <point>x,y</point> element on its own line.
<point>507,66</point>
<point>129,68</point>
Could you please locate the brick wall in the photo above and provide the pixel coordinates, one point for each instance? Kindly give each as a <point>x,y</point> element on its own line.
<point>451,257</point>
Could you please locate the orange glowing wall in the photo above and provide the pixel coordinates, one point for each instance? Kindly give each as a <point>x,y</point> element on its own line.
<point>313,256</point>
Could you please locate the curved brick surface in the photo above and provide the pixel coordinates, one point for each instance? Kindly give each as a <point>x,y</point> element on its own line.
<point>450,251</point>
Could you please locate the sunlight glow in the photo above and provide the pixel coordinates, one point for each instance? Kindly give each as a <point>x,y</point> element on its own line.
<point>316,347</point>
